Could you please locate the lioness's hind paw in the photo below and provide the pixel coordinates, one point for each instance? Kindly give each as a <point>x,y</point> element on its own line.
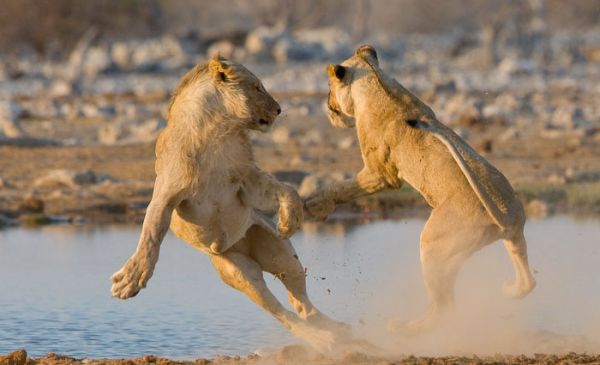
<point>517,290</point>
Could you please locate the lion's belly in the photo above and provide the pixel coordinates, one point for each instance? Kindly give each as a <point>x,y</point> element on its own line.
<point>220,218</point>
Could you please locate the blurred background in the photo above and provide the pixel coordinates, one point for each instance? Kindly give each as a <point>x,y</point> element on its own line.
<point>84,87</point>
<point>53,27</point>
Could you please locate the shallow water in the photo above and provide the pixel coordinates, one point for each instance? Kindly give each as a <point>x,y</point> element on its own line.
<point>55,292</point>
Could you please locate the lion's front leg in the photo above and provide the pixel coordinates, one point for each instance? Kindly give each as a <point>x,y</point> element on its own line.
<point>322,203</point>
<point>264,192</point>
<point>138,269</point>
<point>290,213</point>
<point>135,273</point>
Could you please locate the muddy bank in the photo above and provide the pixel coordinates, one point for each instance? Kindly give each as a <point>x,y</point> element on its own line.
<point>101,184</point>
<point>299,355</point>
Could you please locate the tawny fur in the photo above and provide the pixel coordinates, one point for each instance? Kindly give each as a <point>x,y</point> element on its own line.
<point>208,190</point>
<point>401,140</point>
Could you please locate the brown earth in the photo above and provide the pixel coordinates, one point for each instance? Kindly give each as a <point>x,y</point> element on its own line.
<point>555,175</point>
<point>298,355</point>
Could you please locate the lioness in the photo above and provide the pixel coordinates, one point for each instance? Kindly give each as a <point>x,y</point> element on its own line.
<point>401,140</point>
<point>208,188</point>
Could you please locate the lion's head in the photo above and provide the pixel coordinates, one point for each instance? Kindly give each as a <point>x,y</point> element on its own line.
<point>226,89</point>
<point>244,96</point>
<point>340,103</point>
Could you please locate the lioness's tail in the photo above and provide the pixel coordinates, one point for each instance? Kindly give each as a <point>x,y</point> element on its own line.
<point>481,193</point>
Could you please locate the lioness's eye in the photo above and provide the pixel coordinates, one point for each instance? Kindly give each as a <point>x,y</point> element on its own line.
<point>259,89</point>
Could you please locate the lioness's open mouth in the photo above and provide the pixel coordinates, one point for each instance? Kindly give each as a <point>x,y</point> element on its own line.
<point>264,122</point>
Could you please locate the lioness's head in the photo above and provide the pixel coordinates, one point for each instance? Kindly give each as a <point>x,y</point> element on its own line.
<point>243,95</point>
<point>340,104</point>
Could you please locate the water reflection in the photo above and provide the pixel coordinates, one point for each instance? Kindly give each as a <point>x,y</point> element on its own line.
<point>55,288</point>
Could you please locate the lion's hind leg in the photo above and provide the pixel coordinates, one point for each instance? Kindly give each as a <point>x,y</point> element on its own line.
<point>243,273</point>
<point>447,240</point>
<point>278,257</point>
<point>524,281</point>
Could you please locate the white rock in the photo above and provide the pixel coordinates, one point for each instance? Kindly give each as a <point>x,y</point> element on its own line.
<point>222,48</point>
<point>346,143</point>
<point>280,135</point>
<point>68,178</point>
<point>60,88</point>
<point>312,137</point>
<point>460,105</point>
<point>286,50</point>
<point>131,131</point>
<point>71,111</point>
<point>96,61</point>
<point>260,41</point>
<point>133,111</point>
<point>153,53</point>
<point>121,55</point>
<point>43,108</point>
<point>332,40</point>
<point>148,130</point>
<point>10,112</point>
<point>111,133</point>
<point>568,117</point>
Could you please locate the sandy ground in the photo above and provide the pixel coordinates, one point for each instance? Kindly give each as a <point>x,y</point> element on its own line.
<point>299,355</point>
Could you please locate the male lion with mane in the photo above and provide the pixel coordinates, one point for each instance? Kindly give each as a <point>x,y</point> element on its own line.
<point>401,140</point>
<point>208,188</point>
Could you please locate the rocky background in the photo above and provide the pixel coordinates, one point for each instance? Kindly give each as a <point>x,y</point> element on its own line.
<point>84,88</point>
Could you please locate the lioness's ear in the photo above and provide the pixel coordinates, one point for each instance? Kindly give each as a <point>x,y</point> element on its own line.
<point>368,52</point>
<point>337,71</point>
<point>219,69</point>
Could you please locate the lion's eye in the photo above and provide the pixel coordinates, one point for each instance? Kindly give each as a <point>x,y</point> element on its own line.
<point>259,89</point>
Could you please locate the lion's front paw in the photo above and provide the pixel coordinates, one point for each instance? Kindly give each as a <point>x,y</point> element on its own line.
<point>132,277</point>
<point>319,208</point>
<point>289,222</point>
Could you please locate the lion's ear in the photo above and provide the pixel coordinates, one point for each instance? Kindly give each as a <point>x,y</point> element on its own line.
<point>220,70</point>
<point>368,52</point>
<point>337,71</point>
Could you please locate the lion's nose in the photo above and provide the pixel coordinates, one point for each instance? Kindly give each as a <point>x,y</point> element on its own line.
<point>278,110</point>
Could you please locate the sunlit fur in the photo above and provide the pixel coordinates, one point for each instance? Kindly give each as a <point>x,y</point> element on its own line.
<point>208,190</point>
<point>401,140</point>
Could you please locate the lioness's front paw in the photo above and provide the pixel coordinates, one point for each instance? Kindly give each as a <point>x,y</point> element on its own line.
<point>319,208</point>
<point>132,278</point>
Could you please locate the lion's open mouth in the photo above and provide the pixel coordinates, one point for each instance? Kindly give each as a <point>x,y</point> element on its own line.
<point>264,122</point>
